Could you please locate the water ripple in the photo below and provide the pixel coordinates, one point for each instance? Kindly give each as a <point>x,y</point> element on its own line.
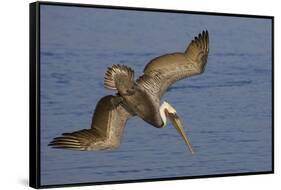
<point>236,54</point>
<point>225,84</point>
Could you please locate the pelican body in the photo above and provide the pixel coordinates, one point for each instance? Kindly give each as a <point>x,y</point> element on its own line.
<point>141,97</point>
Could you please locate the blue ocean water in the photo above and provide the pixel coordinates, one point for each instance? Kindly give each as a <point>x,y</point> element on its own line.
<point>226,111</point>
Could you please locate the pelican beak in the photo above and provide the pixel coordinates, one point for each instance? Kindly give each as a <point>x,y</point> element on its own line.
<point>178,125</point>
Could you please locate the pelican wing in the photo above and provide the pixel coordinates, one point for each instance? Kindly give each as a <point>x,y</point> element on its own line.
<point>163,71</point>
<point>108,122</point>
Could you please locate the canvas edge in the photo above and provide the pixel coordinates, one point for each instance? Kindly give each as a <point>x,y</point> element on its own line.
<point>272,96</point>
<point>34,109</point>
<point>34,98</point>
<point>152,9</point>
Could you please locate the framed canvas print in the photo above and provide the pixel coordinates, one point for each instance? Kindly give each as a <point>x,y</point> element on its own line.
<point>120,94</point>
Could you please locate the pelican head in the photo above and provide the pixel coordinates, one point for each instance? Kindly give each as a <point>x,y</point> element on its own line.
<point>166,107</point>
<point>166,110</point>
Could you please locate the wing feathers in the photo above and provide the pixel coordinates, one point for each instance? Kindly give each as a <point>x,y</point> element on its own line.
<point>105,133</point>
<point>163,71</point>
<point>151,84</point>
<point>198,49</point>
<point>80,140</point>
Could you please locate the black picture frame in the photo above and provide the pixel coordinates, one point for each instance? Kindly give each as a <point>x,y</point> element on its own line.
<point>34,92</point>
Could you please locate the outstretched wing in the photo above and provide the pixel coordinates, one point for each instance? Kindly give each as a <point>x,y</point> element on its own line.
<point>108,122</point>
<point>163,71</point>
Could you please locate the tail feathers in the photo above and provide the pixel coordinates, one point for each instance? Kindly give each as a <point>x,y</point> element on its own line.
<point>117,73</point>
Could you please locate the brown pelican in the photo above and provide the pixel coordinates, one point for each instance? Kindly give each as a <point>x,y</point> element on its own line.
<point>138,98</point>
